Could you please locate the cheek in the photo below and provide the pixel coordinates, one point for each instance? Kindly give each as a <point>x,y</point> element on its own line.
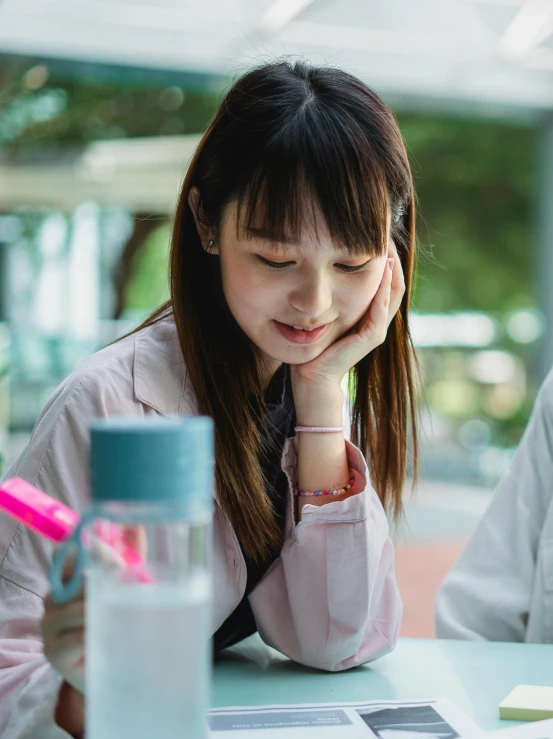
<point>356,300</point>
<point>247,296</point>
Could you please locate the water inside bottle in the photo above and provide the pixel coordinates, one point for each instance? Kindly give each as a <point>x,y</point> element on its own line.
<point>149,658</point>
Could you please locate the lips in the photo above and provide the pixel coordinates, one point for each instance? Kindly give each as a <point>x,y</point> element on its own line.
<point>306,328</point>
<point>300,335</point>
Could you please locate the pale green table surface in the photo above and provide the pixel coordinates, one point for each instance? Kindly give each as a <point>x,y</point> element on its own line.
<point>474,675</point>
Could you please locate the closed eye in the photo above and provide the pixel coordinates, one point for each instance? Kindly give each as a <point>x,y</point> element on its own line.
<point>352,268</point>
<point>269,263</point>
<point>348,268</point>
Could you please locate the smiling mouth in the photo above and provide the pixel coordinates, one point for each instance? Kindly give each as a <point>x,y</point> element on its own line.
<point>302,328</point>
<point>300,334</point>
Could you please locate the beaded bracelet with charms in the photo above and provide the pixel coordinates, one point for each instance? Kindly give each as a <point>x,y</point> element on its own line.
<point>301,493</point>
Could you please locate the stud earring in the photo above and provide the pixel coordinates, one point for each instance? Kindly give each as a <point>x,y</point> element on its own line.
<point>210,243</point>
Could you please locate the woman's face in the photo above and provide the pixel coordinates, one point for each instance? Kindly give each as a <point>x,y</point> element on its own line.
<point>276,290</point>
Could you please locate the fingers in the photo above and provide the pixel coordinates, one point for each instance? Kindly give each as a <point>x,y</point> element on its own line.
<point>107,553</point>
<point>67,573</point>
<point>135,537</point>
<point>112,542</point>
<point>63,628</point>
<point>375,326</point>
<point>101,550</point>
<point>397,290</point>
<point>68,567</point>
<point>66,653</point>
<point>63,636</point>
<point>59,618</point>
<point>371,329</point>
<point>66,648</point>
<point>67,656</point>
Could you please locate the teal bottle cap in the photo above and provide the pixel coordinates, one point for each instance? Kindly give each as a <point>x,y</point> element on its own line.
<point>153,460</point>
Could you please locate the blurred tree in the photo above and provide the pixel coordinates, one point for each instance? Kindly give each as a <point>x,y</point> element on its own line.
<point>475,182</point>
<point>49,108</point>
<point>145,259</point>
<point>474,178</point>
<point>147,285</point>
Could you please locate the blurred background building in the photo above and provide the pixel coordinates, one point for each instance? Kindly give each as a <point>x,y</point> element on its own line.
<point>101,106</point>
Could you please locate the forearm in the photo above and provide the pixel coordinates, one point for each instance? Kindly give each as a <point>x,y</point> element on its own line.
<point>322,460</point>
<point>341,564</point>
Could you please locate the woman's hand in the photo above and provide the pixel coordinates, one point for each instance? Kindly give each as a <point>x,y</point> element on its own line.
<point>318,396</point>
<point>63,634</point>
<point>63,630</point>
<point>370,331</point>
<point>63,624</point>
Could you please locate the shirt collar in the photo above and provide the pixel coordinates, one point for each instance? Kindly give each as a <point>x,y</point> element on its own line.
<point>160,379</point>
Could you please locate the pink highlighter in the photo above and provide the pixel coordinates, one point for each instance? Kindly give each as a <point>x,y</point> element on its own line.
<point>55,521</point>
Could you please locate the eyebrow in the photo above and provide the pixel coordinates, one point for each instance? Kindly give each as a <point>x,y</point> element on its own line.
<point>277,245</point>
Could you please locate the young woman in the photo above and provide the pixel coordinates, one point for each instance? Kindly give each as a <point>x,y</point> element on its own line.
<point>502,586</point>
<point>291,263</point>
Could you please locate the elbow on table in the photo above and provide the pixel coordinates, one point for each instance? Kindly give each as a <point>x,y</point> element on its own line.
<point>379,639</point>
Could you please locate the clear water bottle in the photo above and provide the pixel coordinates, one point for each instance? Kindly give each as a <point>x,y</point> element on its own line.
<point>145,546</point>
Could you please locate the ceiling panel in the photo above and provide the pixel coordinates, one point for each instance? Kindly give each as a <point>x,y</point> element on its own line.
<point>459,50</point>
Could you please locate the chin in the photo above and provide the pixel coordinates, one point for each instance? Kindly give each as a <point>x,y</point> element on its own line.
<point>295,355</point>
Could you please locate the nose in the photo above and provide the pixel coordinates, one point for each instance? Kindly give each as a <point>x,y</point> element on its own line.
<point>312,296</point>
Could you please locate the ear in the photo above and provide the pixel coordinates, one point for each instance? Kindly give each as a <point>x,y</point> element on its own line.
<point>207,238</point>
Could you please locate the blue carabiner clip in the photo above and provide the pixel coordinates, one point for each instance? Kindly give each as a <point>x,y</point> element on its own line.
<point>63,592</point>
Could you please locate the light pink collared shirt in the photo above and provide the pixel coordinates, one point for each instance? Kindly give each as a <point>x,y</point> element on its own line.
<point>329,601</point>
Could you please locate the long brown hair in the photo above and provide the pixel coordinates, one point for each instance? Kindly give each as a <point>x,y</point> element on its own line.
<point>290,139</point>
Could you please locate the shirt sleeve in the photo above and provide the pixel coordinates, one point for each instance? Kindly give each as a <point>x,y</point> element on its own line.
<point>331,600</point>
<point>56,460</point>
<point>487,594</point>
<point>29,686</point>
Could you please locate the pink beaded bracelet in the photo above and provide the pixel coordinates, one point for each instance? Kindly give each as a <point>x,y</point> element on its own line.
<point>320,429</point>
<point>301,493</point>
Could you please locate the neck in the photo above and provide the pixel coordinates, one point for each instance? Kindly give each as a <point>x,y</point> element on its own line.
<point>270,367</point>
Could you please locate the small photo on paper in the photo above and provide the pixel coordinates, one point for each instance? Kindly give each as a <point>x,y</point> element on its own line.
<point>408,722</point>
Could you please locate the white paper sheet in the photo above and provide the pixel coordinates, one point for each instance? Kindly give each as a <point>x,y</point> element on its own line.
<point>431,719</point>
<point>532,730</point>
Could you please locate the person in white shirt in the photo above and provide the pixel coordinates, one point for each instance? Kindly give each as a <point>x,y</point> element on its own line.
<point>501,588</point>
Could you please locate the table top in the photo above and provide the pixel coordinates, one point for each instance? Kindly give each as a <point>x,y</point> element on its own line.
<point>475,675</point>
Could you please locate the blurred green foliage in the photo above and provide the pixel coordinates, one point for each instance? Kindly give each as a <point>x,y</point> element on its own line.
<point>148,286</point>
<point>475,178</point>
<point>476,183</point>
<point>49,108</point>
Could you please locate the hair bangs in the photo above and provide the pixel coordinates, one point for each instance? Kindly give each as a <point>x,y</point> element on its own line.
<point>304,180</point>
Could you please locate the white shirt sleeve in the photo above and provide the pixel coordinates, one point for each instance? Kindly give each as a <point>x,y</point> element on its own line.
<point>487,594</point>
